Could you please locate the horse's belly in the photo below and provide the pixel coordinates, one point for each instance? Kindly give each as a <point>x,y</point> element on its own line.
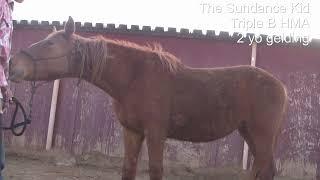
<point>200,130</point>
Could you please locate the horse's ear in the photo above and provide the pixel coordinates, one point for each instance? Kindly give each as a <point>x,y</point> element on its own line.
<point>69,27</point>
<point>54,29</point>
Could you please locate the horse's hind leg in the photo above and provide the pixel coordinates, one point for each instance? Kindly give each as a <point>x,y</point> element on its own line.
<point>261,143</point>
<point>263,164</point>
<point>132,146</point>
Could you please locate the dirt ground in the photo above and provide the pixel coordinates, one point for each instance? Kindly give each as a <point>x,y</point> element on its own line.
<point>59,166</point>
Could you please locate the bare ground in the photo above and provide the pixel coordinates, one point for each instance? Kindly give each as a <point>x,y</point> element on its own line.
<point>59,166</point>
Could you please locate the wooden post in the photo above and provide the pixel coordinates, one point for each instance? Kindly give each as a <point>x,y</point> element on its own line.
<point>52,114</point>
<point>254,54</point>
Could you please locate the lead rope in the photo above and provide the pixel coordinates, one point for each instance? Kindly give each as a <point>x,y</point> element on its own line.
<point>26,118</point>
<point>32,91</point>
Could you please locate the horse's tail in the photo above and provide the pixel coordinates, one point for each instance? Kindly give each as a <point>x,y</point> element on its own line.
<point>285,106</point>
<point>284,112</point>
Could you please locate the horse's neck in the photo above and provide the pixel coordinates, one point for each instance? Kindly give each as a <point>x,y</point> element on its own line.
<point>113,71</point>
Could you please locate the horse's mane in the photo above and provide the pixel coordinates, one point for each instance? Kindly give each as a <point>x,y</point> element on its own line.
<point>99,54</point>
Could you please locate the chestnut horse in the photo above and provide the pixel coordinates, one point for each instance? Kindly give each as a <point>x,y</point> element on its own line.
<point>157,97</point>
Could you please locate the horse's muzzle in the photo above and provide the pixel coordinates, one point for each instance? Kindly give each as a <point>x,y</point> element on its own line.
<point>15,75</point>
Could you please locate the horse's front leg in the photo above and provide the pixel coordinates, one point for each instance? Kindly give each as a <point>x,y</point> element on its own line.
<point>155,142</point>
<point>132,146</point>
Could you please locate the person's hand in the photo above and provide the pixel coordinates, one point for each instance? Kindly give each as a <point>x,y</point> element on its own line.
<point>7,97</point>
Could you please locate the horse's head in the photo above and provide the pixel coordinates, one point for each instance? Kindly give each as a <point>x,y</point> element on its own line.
<point>47,59</point>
